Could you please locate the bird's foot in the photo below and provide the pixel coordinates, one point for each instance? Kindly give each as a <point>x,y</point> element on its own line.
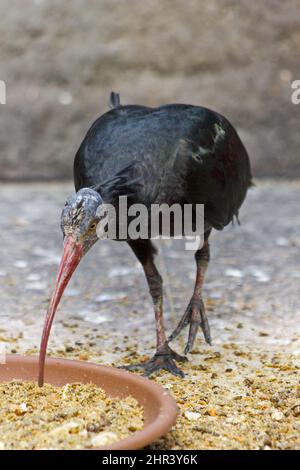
<point>164,359</point>
<point>195,316</point>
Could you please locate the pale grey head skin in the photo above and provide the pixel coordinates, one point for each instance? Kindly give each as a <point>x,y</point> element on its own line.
<point>79,217</point>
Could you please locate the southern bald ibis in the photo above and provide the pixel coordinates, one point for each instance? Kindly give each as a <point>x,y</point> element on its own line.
<point>175,153</point>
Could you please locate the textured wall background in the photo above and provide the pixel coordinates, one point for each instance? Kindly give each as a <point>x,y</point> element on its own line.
<point>60,59</point>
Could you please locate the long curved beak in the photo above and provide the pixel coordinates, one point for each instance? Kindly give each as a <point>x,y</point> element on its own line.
<point>72,255</point>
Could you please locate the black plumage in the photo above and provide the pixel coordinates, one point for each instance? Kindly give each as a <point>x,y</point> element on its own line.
<point>182,153</point>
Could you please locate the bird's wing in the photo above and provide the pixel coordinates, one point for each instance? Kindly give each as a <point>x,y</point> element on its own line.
<point>135,181</point>
<point>214,167</point>
<point>105,149</point>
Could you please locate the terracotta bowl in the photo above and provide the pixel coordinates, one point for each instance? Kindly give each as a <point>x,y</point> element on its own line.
<point>160,409</point>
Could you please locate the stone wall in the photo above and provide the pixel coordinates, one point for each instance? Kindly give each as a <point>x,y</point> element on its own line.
<point>60,59</point>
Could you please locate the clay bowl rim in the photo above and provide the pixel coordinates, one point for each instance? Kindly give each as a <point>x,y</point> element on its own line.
<point>157,427</point>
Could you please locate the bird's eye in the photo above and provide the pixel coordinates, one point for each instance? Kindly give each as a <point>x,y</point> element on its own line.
<point>93,226</point>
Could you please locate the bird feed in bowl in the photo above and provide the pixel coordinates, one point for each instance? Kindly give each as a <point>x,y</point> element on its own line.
<point>75,416</point>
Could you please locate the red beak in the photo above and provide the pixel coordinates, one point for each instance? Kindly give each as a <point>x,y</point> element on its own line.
<point>71,257</point>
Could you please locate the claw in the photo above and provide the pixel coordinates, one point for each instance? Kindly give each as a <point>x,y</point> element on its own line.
<point>181,325</point>
<point>162,360</point>
<point>192,335</point>
<point>140,366</point>
<point>206,330</point>
<point>167,364</point>
<point>195,316</point>
<point>178,358</point>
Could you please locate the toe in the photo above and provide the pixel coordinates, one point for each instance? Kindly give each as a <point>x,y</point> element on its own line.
<point>151,369</point>
<point>204,323</point>
<point>171,367</point>
<point>178,357</point>
<point>182,324</point>
<point>206,330</point>
<point>132,367</point>
<point>192,335</point>
<point>177,330</point>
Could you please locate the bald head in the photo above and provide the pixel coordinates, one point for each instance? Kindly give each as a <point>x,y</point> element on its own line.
<point>79,217</point>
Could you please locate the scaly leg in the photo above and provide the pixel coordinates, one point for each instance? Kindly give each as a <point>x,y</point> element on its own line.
<point>195,314</point>
<point>164,357</point>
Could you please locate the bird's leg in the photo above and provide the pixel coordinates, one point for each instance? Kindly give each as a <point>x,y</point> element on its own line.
<point>164,357</point>
<point>195,315</point>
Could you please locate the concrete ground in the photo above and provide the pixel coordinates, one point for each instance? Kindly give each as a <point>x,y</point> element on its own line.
<point>244,391</point>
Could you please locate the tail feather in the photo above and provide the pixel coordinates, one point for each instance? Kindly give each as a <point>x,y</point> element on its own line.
<point>114,101</point>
